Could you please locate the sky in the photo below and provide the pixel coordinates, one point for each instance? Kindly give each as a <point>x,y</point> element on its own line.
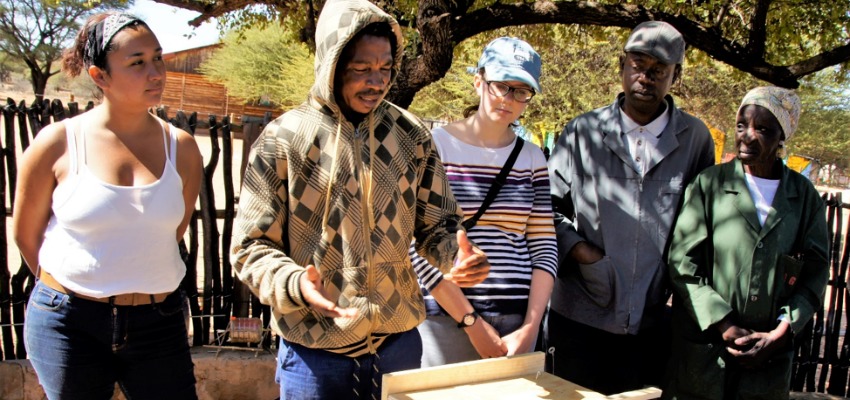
<point>171,26</point>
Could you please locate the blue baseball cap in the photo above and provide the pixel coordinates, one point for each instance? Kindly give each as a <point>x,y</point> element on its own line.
<point>511,59</point>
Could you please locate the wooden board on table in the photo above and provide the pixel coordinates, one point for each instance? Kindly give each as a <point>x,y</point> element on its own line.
<point>462,373</point>
<point>532,386</point>
<point>509,378</point>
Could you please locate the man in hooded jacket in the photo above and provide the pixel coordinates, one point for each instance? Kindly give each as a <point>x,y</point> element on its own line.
<point>334,193</point>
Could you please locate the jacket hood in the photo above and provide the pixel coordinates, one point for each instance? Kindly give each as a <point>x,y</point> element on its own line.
<point>339,22</point>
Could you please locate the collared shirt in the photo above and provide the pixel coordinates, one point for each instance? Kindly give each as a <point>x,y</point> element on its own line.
<point>626,214</point>
<point>643,140</point>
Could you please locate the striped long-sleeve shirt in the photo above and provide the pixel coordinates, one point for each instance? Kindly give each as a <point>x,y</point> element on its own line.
<point>516,231</point>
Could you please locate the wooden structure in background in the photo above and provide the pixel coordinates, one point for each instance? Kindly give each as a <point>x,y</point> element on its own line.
<point>187,89</point>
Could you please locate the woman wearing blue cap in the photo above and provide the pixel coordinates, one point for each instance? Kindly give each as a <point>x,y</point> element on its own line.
<point>501,315</point>
<point>102,201</point>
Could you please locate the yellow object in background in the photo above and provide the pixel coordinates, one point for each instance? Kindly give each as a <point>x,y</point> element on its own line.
<point>719,140</point>
<point>798,163</point>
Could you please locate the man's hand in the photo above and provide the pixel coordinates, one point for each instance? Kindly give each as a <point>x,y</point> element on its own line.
<point>586,253</point>
<point>486,339</point>
<point>471,265</point>
<point>759,346</point>
<point>313,292</point>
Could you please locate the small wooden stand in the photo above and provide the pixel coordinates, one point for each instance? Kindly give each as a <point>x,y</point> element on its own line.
<point>241,330</point>
<point>514,377</point>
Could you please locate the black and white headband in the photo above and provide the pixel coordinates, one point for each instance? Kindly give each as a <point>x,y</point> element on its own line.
<point>102,33</point>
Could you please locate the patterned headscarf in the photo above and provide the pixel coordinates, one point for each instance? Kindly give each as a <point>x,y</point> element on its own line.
<point>782,103</point>
<point>102,33</point>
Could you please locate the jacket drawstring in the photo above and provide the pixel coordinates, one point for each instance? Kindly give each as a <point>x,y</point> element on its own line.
<point>367,185</point>
<point>331,176</point>
<point>368,188</point>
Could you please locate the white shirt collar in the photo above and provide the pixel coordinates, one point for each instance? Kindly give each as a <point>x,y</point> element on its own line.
<point>655,128</point>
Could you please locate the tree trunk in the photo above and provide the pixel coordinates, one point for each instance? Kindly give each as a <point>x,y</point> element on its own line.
<point>434,55</point>
<point>39,82</point>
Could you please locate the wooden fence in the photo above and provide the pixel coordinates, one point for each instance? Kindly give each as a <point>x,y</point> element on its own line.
<point>822,361</point>
<point>822,354</point>
<point>211,303</point>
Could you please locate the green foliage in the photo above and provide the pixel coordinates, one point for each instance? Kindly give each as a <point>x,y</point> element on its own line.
<point>447,98</point>
<point>580,73</point>
<point>712,91</point>
<point>257,16</point>
<point>263,63</point>
<point>796,29</point>
<point>824,129</point>
<point>8,65</point>
<point>37,31</point>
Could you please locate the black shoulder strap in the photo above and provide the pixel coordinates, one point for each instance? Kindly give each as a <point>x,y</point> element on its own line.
<point>497,185</point>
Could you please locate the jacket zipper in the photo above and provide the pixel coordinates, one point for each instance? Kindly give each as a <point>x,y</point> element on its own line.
<point>637,244</point>
<point>364,211</point>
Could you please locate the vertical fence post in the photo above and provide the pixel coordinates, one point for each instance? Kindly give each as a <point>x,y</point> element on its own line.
<point>229,213</point>
<point>23,281</point>
<point>5,273</point>
<point>839,260</point>
<point>212,256</point>
<point>202,320</point>
<point>57,110</point>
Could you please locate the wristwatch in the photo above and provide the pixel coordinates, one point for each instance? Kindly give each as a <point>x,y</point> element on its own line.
<point>468,320</point>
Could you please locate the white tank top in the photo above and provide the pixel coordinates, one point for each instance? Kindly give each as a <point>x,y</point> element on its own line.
<point>103,240</point>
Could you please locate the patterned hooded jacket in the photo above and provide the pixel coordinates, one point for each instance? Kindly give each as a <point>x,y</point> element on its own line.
<point>347,199</point>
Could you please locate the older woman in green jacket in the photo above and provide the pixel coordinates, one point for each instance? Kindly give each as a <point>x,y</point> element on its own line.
<point>748,262</point>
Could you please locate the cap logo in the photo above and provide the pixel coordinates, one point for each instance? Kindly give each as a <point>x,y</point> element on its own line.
<point>521,55</point>
<point>511,59</point>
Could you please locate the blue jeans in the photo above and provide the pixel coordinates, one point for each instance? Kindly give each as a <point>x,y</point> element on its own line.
<point>81,348</point>
<point>316,374</point>
<point>444,343</point>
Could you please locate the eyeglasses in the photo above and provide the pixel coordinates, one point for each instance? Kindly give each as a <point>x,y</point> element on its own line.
<point>500,89</point>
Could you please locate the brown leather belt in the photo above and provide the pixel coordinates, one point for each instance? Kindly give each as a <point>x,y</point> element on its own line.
<point>128,299</point>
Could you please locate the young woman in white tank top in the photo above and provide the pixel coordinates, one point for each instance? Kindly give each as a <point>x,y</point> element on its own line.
<point>101,203</point>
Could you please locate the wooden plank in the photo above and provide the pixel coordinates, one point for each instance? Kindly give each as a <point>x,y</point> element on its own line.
<point>531,386</point>
<point>462,373</point>
<point>508,378</point>
<point>641,394</point>
<point>540,385</point>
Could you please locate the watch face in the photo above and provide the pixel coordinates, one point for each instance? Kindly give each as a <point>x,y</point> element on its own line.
<point>468,319</point>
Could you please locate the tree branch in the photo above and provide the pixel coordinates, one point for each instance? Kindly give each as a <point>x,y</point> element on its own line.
<point>444,23</point>
<point>749,58</point>
<point>758,29</point>
<point>721,15</point>
<point>221,7</point>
